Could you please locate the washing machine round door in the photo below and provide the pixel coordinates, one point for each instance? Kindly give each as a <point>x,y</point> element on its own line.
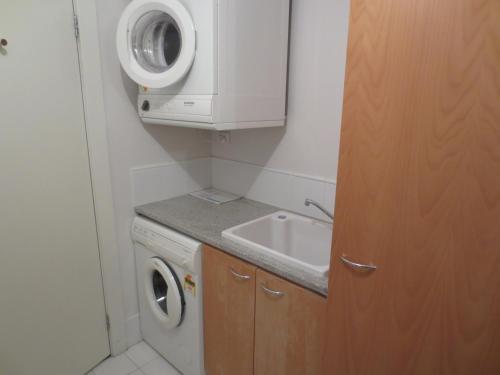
<point>163,292</point>
<point>156,42</point>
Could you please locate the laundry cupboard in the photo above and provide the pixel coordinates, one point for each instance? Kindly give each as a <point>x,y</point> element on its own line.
<point>258,323</point>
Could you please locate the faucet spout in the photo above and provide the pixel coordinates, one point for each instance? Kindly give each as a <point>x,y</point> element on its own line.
<point>309,202</point>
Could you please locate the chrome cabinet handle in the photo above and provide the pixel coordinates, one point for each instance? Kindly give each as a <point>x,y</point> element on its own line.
<point>271,292</point>
<point>239,276</point>
<point>358,266</point>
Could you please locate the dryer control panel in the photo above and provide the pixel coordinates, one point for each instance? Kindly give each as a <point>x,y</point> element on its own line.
<point>168,244</point>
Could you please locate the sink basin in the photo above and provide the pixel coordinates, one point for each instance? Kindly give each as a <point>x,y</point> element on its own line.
<point>295,241</point>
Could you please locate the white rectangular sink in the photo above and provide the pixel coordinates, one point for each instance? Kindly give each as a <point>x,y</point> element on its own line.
<point>297,242</point>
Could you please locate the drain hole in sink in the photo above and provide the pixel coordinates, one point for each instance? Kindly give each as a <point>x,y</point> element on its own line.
<point>282,217</point>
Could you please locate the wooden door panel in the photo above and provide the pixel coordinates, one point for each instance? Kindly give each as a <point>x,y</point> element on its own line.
<point>418,191</point>
<point>229,314</point>
<point>289,329</point>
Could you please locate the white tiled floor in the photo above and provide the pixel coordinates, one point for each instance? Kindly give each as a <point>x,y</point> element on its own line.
<point>140,359</point>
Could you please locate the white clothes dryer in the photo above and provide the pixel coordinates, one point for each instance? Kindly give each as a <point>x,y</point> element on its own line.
<point>169,285</point>
<point>212,64</point>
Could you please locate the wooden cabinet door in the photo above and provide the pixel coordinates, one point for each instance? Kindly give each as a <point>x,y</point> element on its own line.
<point>418,192</point>
<point>229,312</point>
<point>290,324</point>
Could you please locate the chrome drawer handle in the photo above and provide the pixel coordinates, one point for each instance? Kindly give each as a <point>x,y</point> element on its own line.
<point>271,292</point>
<point>358,266</point>
<point>239,276</point>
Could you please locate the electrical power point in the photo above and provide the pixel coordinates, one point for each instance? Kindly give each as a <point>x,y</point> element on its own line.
<point>223,137</point>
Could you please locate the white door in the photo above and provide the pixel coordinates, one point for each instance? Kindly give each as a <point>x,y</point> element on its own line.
<point>52,317</point>
<point>156,41</point>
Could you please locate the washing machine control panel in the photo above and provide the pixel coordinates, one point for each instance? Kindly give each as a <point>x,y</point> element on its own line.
<point>170,245</point>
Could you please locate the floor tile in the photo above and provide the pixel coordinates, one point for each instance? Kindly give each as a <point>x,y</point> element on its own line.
<point>141,354</point>
<point>120,365</point>
<point>159,366</point>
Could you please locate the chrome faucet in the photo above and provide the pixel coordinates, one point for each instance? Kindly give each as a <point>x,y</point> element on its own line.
<point>310,202</point>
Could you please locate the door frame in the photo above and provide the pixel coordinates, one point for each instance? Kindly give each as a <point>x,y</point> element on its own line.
<point>97,143</point>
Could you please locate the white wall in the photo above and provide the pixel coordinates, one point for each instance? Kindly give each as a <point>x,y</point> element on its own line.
<point>309,143</point>
<point>278,188</point>
<point>132,144</point>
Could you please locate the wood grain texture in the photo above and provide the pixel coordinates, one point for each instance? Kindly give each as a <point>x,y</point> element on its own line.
<point>289,330</point>
<point>229,314</point>
<point>418,192</point>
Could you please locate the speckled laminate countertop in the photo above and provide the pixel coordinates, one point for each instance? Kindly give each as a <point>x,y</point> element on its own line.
<point>206,221</point>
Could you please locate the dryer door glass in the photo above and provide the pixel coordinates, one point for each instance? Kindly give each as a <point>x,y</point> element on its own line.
<point>156,41</point>
<point>160,289</point>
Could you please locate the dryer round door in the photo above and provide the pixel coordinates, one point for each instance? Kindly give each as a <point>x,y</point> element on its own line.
<point>156,42</point>
<point>163,292</point>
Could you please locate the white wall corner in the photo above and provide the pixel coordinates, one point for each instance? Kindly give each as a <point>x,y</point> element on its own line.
<point>163,181</point>
<point>133,330</point>
<point>279,188</point>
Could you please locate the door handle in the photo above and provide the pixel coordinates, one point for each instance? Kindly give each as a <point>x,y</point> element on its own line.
<point>358,266</point>
<point>271,292</point>
<point>239,276</point>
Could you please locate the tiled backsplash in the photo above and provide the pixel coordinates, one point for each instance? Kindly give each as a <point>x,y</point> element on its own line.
<point>274,187</point>
<point>157,182</point>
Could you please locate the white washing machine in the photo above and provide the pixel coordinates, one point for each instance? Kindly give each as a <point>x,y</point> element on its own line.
<point>212,64</point>
<point>169,285</point>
